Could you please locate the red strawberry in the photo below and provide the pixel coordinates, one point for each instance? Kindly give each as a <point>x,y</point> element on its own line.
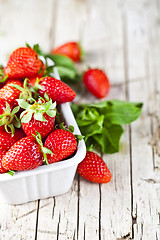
<point>94,169</point>
<point>2,169</point>
<point>97,82</point>
<point>10,93</point>
<point>39,116</point>
<point>25,154</point>
<point>7,140</point>
<point>56,89</point>
<point>8,118</point>
<point>62,143</point>
<point>23,62</point>
<point>72,50</point>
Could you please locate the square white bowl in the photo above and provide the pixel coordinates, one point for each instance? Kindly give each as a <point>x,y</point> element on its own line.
<point>46,180</point>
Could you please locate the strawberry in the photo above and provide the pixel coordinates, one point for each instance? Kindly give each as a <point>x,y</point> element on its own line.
<point>97,82</point>
<point>94,169</point>
<point>10,93</point>
<point>2,169</point>
<point>62,143</point>
<point>39,116</point>
<point>72,50</point>
<point>56,89</point>
<point>23,62</point>
<point>27,153</point>
<point>8,118</point>
<point>7,139</point>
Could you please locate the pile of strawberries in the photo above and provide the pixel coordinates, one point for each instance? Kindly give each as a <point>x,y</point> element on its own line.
<point>30,133</point>
<point>28,136</point>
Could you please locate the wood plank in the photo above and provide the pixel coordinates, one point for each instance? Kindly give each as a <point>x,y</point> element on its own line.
<point>109,197</point>
<point>22,22</point>
<point>145,204</point>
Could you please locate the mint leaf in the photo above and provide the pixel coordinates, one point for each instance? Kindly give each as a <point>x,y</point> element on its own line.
<point>101,123</point>
<point>61,60</point>
<point>109,139</point>
<point>65,67</point>
<point>120,112</point>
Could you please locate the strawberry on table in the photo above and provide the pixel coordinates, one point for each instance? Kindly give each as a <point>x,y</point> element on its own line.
<point>7,139</point>
<point>23,62</point>
<point>39,116</point>
<point>94,169</point>
<point>72,50</point>
<point>56,89</point>
<point>97,82</point>
<point>26,154</point>
<point>62,143</point>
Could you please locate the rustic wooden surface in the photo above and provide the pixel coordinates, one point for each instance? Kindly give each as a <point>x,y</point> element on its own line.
<point>123,38</point>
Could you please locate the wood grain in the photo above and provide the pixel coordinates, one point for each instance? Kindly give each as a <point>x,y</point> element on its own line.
<point>123,38</point>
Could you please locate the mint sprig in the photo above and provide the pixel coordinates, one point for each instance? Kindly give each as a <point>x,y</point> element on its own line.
<point>101,123</point>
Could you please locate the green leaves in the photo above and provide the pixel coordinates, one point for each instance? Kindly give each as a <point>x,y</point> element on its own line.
<point>44,150</point>
<point>101,122</point>
<point>37,109</point>
<point>65,67</point>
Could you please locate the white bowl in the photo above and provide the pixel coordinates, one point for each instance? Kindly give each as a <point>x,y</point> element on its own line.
<point>47,180</point>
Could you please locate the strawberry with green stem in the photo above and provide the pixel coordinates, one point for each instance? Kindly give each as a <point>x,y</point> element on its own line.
<point>8,118</point>
<point>26,154</point>
<point>56,89</point>
<point>39,116</point>
<point>26,90</point>
<point>23,62</point>
<point>9,93</point>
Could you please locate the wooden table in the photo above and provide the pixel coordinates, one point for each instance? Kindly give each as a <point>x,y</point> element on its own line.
<point>123,38</point>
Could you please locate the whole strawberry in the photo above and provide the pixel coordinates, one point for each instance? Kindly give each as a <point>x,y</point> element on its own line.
<point>39,116</point>
<point>10,93</point>
<point>62,143</point>
<point>23,62</point>
<point>97,82</point>
<point>7,139</point>
<point>2,169</point>
<point>26,154</point>
<point>56,89</point>
<point>94,169</point>
<point>8,117</point>
<point>72,50</point>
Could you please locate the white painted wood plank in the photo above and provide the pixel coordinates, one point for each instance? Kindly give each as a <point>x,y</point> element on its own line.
<point>114,197</point>
<point>145,184</point>
<point>20,22</point>
<point>58,218</point>
<point>24,21</point>
<point>18,222</point>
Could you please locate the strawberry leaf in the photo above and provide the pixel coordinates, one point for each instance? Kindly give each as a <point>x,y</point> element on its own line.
<point>27,117</point>
<point>46,150</point>
<point>23,104</point>
<point>39,117</point>
<point>10,172</point>
<point>46,96</point>
<point>51,113</point>
<point>15,110</point>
